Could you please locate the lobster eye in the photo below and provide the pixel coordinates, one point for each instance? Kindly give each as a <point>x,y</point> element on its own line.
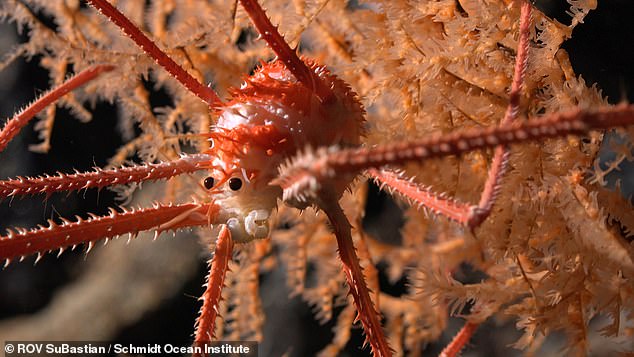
<point>209,182</point>
<point>235,183</point>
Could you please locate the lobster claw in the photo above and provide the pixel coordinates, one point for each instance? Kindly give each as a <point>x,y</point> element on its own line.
<point>255,225</point>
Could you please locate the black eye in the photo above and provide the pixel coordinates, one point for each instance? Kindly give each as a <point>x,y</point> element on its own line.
<point>235,183</point>
<point>209,183</point>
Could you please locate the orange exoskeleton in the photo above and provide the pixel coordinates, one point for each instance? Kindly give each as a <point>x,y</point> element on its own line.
<point>270,118</point>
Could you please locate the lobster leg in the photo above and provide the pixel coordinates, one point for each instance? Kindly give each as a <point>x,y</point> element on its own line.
<point>421,196</point>
<point>23,242</point>
<point>284,52</point>
<point>218,266</point>
<point>15,124</point>
<point>133,32</point>
<point>472,216</point>
<point>100,178</point>
<point>301,177</point>
<point>370,318</point>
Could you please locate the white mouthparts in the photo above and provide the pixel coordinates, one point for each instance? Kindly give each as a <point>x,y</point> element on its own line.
<point>256,223</point>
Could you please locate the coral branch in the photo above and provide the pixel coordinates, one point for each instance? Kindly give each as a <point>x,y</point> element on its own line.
<point>101,178</point>
<point>283,51</point>
<point>60,236</point>
<point>218,267</point>
<point>300,177</point>
<point>460,340</point>
<point>162,59</point>
<point>15,124</point>
<point>368,315</point>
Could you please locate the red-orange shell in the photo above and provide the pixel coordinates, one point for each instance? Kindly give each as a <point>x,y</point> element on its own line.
<point>272,116</point>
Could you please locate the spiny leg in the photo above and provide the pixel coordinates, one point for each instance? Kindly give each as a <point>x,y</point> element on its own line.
<point>283,51</point>
<point>100,178</point>
<point>501,152</point>
<point>420,196</point>
<point>356,281</point>
<point>472,216</point>
<point>15,124</point>
<point>23,242</point>
<point>366,312</point>
<point>499,163</point>
<point>301,176</point>
<point>133,32</point>
<point>218,267</point>
<point>459,341</point>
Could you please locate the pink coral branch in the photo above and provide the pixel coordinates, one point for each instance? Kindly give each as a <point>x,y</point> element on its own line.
<point>60,236</point>
<point>218,267</point>
<point>283,51</point>
<point>15,124</point>
<point>162,59</point>
<point>101,178</point>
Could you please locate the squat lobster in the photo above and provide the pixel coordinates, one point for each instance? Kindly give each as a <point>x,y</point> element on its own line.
<point>280,110</point>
